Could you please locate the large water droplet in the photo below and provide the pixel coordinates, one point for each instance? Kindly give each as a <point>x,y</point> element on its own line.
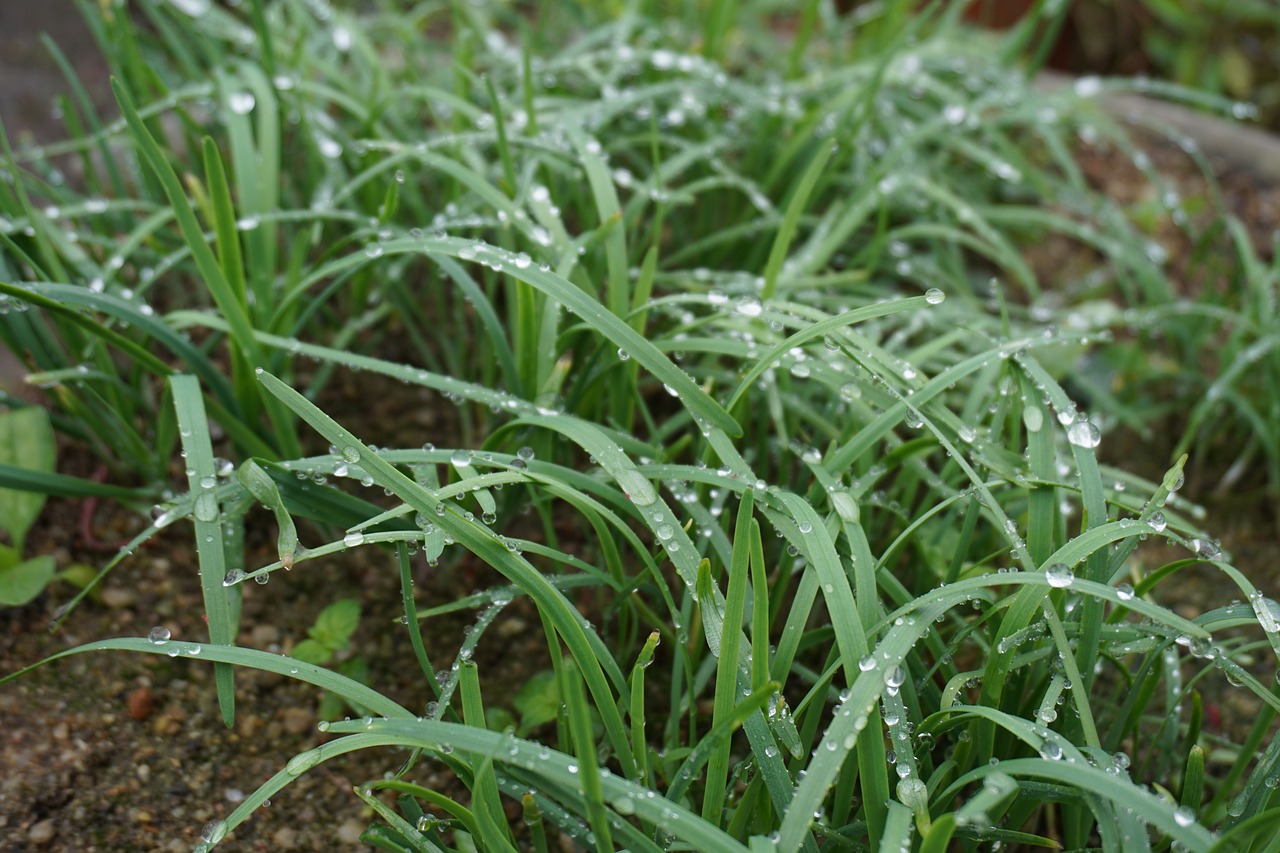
<point>353,539</point>
<point>912,792</point>
<point>1157,522</point>
<point>637,487</point>
<point>460,459</point>
<point>304,761</point>
<point>934,296</point>
<point>206,507</point>
<point>1183,816</point>
<point>1206,548</point>
<point>1033,418</point>
<point>241,103</point>
<point>159,635</point>
<point>1059,575</point>
<point>214,831</point>
<point>1084,434</point>
<point>1266,611</point>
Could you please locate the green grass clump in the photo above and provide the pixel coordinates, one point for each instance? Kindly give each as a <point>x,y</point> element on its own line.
<point>760,333</point>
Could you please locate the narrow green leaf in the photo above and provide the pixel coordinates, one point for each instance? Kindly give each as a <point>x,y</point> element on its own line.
<point>727,672</point>
<point>587,768</point>
<point>787,231</point>
<point>193,426</point>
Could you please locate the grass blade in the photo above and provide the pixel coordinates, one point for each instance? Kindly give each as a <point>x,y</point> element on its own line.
<point>202,477</point>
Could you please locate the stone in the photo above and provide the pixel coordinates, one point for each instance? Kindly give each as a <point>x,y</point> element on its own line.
<point>42,833</point>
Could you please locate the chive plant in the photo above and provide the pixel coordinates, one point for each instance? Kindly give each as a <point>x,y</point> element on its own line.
<point>762,332</point>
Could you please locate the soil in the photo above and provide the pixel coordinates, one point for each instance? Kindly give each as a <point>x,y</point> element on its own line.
<point>121,752</point>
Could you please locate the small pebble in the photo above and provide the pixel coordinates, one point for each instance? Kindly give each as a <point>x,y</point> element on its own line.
<point>42,832</point>
<point>350,831</point>
<point>140,704</point>
<point>284,838</point>
<point>115,597</point>
<point>264,635</point>
<point>297,721</point>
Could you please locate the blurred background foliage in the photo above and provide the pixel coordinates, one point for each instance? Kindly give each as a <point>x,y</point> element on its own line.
<point>1226,47</point>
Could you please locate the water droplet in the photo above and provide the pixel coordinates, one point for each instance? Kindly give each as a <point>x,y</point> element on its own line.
<point>1088,87</point>
<point>750,307</point>
<point>162,516</point>
<point>353,539</point>
<point>159,635</point>
<point>1033,418</point>
<point>912,792</point>
<point>525,453</point>
<point>1158,522</point>
<point>1059,575</point>
<point>637,487</point>
<point>233,577</point>
<point>1183,816</point>
<point>1084,434</point>
<point>1206,549</point>
<point>304,761</point>
<point>329,148</point>
<point>895,677</point>
<point>934,296</point>
<point>206,507</point>
<point>460,459</point>
<point>241,103</point>
<point>214,831</point>
<point>1051,750</point>
<point>867,664</point>
<point>1266,611</point>
<point>1125,592</point>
